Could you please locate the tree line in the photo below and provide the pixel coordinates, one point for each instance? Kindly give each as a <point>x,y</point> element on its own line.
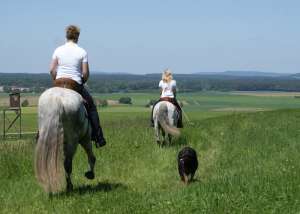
<point>109,83</point>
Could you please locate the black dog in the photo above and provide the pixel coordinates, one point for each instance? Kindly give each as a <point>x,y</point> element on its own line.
<point>187,164</point>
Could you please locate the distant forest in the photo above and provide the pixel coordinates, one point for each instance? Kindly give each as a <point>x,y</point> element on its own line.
<point>108,83</point>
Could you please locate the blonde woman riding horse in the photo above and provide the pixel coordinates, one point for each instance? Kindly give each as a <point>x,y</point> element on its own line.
<point>168,93</point>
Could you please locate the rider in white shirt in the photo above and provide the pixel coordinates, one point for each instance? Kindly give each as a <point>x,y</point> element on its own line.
<point>167,88</point>
<point>168,93</point>
<point>70,69</point>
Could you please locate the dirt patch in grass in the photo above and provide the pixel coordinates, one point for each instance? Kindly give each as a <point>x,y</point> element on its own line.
<point>113,102</point>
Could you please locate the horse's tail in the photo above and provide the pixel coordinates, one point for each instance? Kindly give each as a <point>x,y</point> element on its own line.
<point>163,118</point>
<point>49,149</point>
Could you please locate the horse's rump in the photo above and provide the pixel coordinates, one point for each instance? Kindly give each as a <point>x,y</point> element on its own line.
<point>61,114</point>
<point>164,114</point>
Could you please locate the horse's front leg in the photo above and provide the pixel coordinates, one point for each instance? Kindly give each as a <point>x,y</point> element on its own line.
<point>87,146</point>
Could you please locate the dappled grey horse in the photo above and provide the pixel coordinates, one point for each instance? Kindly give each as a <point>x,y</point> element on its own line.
<point>63,124</point>
<point>165,117</point>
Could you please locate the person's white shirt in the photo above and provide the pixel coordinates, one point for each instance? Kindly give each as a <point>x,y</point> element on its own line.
<point>70,58</point>
<point>167,88</point>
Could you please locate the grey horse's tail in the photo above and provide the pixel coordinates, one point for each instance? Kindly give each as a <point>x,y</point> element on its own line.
<point>163,121</point>
<point>49,169</point>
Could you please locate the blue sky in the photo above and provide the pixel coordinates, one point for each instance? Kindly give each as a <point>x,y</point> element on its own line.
<point>147,36</point>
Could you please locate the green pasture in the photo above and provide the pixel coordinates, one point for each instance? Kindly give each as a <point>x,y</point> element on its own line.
<point>198,105</point>
<point>248,149</point>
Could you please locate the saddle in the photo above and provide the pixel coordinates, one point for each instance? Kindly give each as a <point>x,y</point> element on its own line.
<point>68,83</point>
<point>168,99</point>
<point>171,100</point>
<point>73,85</point>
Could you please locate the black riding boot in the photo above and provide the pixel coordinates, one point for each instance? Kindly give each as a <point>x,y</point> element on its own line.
<point>97,134</point>
<point>180,125</point>
<point>178,107</point>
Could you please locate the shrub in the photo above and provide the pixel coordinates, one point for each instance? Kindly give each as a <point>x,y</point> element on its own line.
<point>125,100</point>
<point>25,103</point>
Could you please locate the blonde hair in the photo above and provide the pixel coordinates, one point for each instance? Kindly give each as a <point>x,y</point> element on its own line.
<point>167,76</point>
<point>72,33</point>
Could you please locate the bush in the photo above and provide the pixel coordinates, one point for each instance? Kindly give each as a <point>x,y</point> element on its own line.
<point>25,103</point>
<point>125,100</point>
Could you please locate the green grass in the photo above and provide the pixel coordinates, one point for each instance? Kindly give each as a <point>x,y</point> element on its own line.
<point>248,162</point>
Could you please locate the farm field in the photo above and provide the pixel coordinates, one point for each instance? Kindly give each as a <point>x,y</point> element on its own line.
<point>248,150</point>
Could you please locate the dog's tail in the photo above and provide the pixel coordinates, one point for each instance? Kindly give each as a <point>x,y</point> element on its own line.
<point>163,121</point>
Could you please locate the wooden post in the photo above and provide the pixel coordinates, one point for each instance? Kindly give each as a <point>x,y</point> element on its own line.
<point>15,106</point>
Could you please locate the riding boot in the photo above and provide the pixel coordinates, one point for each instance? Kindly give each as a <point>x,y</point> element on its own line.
<point>180,125</point>
<point>97,133</point>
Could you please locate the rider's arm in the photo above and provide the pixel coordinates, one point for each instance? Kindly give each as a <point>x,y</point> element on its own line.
<point>160,86</point>
<point>53,67</point>
<point>174,92</point>
<point>85,71</point>
<point>174,87</point>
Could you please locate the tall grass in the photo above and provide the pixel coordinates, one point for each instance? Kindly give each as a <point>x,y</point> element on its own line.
<point>248,163</point>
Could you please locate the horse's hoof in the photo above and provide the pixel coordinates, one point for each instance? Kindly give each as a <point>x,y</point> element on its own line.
<point>89,175</point>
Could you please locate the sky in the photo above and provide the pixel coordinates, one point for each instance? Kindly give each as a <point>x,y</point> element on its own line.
<point>138,36</point>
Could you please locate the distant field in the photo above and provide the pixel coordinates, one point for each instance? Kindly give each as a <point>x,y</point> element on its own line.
<point>196,105</point>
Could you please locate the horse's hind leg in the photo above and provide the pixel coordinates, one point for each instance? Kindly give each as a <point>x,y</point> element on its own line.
<point>169,139</point>
<point>87,146</point>
<point>68,169</point>
<point>164,136</point>
<point>156,127</point>
<point>69,151</point>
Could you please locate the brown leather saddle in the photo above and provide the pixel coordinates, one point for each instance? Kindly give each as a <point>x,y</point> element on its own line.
<point>171,100</point>
<point>71,84</point>
<point>68,83</point>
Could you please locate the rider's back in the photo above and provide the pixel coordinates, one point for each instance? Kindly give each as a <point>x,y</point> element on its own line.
<point>70,58</point>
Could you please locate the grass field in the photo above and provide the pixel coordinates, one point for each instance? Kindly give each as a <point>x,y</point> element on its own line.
<point>248,161</point>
